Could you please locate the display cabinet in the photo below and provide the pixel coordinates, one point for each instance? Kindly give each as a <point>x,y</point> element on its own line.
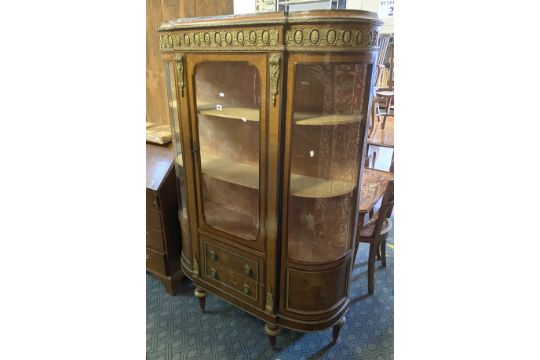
<point>269,116</point>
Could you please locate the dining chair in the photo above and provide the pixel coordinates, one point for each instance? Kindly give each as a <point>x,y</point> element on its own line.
<point>375,233</point>
<point>381,81</point>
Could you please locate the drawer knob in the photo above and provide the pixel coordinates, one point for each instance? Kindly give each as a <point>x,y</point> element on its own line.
<point>246,289</point>
<point>212,273</point>
<point>213,255</point>
<point>247,269</point>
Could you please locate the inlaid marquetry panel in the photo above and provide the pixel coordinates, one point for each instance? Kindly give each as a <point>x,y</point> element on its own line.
<point>313,292</point>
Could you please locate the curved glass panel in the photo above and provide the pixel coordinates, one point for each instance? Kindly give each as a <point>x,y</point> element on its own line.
<point>228,112</point>
<point>179,169</point>
<point>325,159</point>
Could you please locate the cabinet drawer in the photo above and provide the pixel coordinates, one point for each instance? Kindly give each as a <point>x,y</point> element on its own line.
<point>218,256</point>
<point>153,219</point>
<point>155,261</point>
<point>244,286</point>
<point>154,239</point>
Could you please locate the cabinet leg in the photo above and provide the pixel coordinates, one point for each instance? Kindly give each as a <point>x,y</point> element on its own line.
<point>201,295</point>
<point>336,329</point>
<point>272,331</point>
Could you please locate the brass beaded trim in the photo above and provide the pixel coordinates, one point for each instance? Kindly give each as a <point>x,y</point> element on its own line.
<point>331,37</point>
<point>219,39</point>
<point>298,38</point>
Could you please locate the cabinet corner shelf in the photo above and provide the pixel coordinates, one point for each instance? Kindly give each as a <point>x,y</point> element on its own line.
<point>247,175</point>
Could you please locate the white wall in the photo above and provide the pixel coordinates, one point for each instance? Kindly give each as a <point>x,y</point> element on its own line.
<point>372,5</point>
<point>244,6</point>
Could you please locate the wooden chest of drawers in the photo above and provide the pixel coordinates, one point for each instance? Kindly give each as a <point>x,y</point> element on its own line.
<point>163,242</point>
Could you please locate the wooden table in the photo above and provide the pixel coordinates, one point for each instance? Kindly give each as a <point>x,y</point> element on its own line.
<point>374,184</point>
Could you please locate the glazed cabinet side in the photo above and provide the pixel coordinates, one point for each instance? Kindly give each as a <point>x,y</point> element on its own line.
<point>179,116</point>
<point>325,133</point>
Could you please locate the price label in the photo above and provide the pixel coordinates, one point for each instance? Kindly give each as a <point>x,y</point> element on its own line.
<point>386,8</point>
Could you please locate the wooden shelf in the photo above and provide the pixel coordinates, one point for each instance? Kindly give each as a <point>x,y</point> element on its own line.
<point>325,120</point>
<point>239,113</point>
<point>200,105</point>
<point>229,170</point>
<point>314,187</point>
<point>247,175</point>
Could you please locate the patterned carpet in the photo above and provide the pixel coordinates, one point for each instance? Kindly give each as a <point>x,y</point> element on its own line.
<point>175,329</point>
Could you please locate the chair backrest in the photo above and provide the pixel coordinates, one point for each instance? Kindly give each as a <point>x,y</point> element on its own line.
<point>386,208</point>
<point>384,40</point>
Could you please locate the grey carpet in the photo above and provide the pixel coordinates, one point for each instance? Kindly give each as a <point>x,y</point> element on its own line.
<point>175,329</point>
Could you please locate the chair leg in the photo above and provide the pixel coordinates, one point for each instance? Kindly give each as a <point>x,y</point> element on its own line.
<point>386,111</point>
<point>356,251</point>
<point>373,249</point>
<point>383,252</point>
<point>373,120</point>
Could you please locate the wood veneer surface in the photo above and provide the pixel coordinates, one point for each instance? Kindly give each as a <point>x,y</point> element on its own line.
<point>159,160</point>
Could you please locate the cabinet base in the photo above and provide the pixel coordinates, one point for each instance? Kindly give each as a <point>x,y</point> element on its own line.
<point>171,283</point>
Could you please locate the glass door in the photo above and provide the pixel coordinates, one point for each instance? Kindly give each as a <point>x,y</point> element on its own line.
<point>230,105</point>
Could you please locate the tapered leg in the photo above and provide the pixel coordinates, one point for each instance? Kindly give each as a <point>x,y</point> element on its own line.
<point>386,111</point>
<point>373,120</point>
<point>336,329</point>
<point>201,295</point>
<point>355,252</point>
<point>272,331</point>
<point>373,249</point>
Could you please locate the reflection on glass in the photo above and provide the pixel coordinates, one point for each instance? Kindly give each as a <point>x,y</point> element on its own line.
<point>328,105</point>
<point>228,108</point>
<point>177,143</point>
